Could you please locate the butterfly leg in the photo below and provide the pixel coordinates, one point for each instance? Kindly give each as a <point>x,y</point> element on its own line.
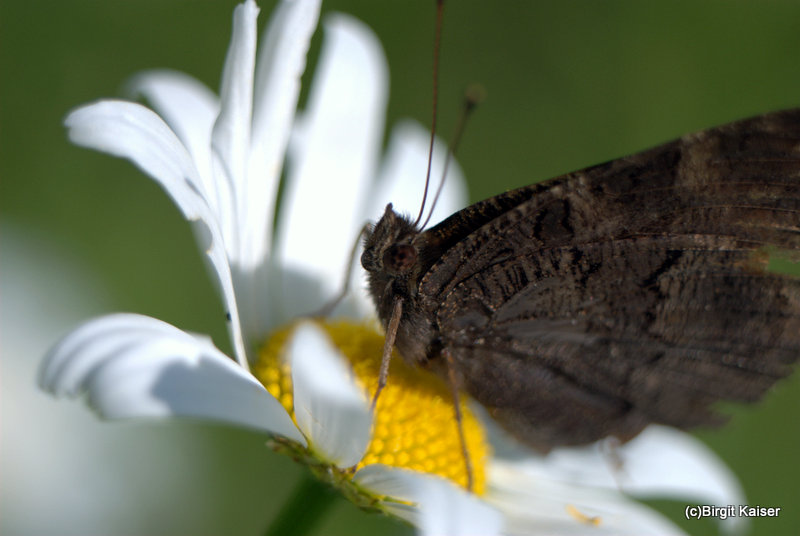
<point>610,450</point>
<point>388,346</point>
<point>455,384</point>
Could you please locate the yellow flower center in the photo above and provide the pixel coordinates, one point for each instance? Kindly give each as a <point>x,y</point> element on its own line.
<point>414,425</point>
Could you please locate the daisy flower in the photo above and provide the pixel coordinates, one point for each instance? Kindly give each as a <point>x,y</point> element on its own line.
<point>306,384</point>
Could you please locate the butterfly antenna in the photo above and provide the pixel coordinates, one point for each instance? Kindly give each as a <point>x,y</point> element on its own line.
<point>474,95</point>
<point>436,46</point>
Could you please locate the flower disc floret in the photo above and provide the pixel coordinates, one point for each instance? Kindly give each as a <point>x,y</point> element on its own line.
<point>414,425</point>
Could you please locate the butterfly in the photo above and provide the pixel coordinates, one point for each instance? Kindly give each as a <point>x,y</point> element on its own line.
<point>632,292</point>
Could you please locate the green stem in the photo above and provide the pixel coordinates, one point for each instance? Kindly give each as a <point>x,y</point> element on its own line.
<point>303,509</point>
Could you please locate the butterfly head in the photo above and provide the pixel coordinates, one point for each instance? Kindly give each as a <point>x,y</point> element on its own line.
<point>391,257</point>
<point>389,245</point>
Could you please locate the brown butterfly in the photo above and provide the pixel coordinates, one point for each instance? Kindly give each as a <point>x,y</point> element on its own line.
<point>633,292</point>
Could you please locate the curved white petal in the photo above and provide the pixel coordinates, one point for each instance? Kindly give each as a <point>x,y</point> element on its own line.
<point>137,366</point>
<point>532,502</point>
<point>190,109</point>
<point>440,507</point>
<point>661,462</point>
<point>230,137</point>
<point>402,177</point>
<point>686,468</point>
<point>333,158</point>
<point>330,409</point>
<point>131,131</point>
<point>281,62</point>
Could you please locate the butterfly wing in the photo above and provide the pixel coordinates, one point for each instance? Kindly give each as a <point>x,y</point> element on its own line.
<point>631,292</point>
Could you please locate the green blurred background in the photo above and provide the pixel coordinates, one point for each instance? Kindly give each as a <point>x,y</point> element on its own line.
<point>569,84</point>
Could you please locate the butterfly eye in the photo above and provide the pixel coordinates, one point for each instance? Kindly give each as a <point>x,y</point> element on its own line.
<point>399,258</point>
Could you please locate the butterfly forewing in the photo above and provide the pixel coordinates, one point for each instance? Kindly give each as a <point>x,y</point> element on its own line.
<point>631,292</point>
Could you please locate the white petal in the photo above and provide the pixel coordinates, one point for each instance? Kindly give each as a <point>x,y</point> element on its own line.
<point>211,244</point>
<point>137,366</point>
<point>335,156</point>
<point>134,132</point>
<point>661,462</point>
<point>281,62</point>
<point>402,177</point>
<point>686,468</point>
<point>533,503</point>
<point>190,109</point>
<point>331,410</point>
<point>441,508</point>
<point>230,137</point>
<point>280,65</point>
